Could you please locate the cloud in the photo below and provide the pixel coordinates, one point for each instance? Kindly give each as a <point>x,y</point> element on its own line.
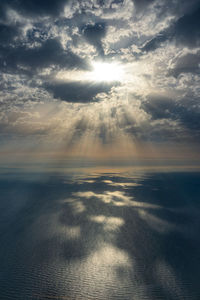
<point>155,42</point>
<point>188,63</point>
<point>94,34</point>
<point>8,33</point>
<point>159,107</point>
<point>188,115</point>
<point>47,49</point>
<point>47,54</point>
<point>186,30</point>
<point>36,7</point>
<point>142,4</point>
<point>81,92</point>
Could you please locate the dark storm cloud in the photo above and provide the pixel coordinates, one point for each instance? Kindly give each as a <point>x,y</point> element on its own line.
<point>77,91</point>
<point>160,107</point>
<point>155,42</point>
<point>142,4</point>
<point>185,31</point>
<point>93,34</point>
<point>28,60</point>
<point>186,112</point>
<point>35,7</point>
<point>8,33</point>
<point>189,63</point>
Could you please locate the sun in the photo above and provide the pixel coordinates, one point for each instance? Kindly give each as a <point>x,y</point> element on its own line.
<point>100,72</point>
<point>106,72</point>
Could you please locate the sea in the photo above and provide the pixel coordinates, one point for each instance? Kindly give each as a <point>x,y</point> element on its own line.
<point>100,234</point>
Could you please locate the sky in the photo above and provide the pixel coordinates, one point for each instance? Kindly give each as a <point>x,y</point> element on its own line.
<point>103,80</point>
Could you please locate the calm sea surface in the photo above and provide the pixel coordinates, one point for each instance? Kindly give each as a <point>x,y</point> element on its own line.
<point>100,235</point>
